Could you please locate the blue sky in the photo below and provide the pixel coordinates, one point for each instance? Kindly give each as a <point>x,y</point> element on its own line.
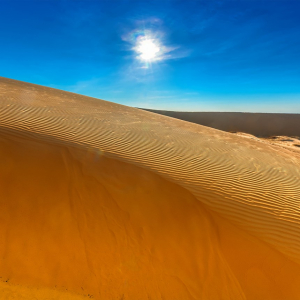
<point>224,55</point>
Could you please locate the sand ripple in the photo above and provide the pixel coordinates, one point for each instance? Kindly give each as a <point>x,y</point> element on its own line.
<point>249,183</point>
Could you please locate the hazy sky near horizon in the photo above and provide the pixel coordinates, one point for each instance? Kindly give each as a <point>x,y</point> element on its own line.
<point>191,55</point>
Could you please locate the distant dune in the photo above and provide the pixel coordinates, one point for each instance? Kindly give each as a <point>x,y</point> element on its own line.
<point>258,124</point>
<point>104,201</point>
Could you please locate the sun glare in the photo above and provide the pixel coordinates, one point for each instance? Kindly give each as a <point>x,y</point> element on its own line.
<point>148,49</point>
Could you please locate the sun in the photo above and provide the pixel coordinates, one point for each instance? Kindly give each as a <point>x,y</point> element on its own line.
<point>148,49</point>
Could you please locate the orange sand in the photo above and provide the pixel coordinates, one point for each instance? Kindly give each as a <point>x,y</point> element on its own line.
<point>103,201</point>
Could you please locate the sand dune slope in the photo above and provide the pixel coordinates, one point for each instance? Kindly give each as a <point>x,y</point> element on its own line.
<point>106,201</point>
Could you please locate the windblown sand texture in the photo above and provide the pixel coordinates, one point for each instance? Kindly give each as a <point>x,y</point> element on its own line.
<point>104,201</point>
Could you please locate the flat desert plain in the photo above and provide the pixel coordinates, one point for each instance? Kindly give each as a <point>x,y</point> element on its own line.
<point>258,124</point>
<point>104,201</point>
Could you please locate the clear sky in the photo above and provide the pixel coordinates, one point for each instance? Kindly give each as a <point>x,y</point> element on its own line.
<point>189,55</point>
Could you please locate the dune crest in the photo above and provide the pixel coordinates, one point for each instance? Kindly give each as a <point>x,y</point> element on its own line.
<point>158,208</point>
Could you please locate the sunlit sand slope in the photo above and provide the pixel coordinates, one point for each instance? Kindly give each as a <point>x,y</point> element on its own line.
<point>259,124</point>
<point>105,201</point>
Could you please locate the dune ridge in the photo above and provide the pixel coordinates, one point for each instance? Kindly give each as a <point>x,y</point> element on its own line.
<point>252,185</point>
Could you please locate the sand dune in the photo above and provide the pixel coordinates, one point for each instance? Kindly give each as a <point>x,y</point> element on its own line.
<point>258,124</point>
<point>104,201</point>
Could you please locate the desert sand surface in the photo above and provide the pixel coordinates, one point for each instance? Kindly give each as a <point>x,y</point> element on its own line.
<point>104,201</point>
<point>287,142</point>
<point>258,124</point>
